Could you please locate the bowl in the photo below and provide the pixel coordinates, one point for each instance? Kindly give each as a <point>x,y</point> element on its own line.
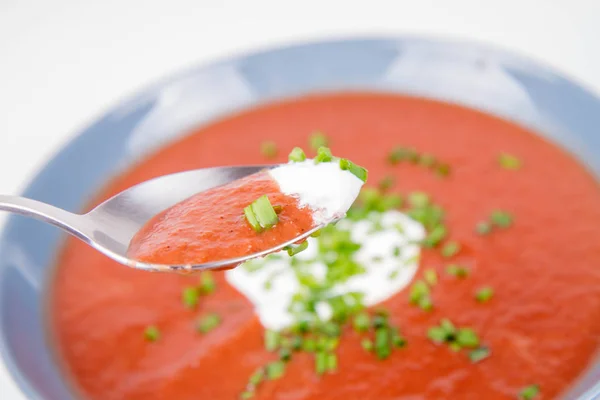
<point>474,75</point>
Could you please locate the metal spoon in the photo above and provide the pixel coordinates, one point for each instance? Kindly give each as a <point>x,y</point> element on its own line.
<point>110,226</point>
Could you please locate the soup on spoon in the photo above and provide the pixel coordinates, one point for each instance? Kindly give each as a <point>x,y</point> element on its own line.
<point>252,214</point>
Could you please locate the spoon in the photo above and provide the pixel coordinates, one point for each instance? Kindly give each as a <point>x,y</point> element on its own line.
<point>110,226</point>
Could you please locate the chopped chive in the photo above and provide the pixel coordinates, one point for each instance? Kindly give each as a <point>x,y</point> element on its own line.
<point>466,337</point>
<point>386,183</point>
<point>396,251</point>
<point>418,199</point>
<point>292,250</point>
<point>483,228</point>
<point>318,139</point>
<point>251,218</point>
<point>316,234</point>
<point>427,160</point>
<point>264,212</point>
<point>275,370</point>
<point>297,343</point>
<point>501,218</point>
<point>367,344</point>
<point>190,296</point>
<point>402,154</point>
<point>331,329</point>
<point>272,340</point>
<point>246,395</point>
<point>362,322</point>
<point>207,283</point>
<point>457,271</point>
<point>450,249</point>
<point>425,303</point>
<point>529,392</point>
<point>382,343</point>
<point>379,321</point>
<point>484,294</point>
<point>331,362</point>
<point>323,155</point>
<point>442,170</point>
<point>418,290</point>
<point>437,334</point>
<point>285,354</point>
<point>397,339</point>
<point>297,155</point>
<point>430,276</point>
<point>479,354</point>
<point>356,170</point>
<point>268,149</point>
<point>435,236</point>
<point>508,161</point>
<point>309,345</point>
<point>448,326</point>
<point>208,322</point>
<point>152,334</point>
<point>321,362</point>
<point>257,377</point>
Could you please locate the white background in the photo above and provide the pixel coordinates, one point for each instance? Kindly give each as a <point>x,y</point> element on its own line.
<point>63,62</point>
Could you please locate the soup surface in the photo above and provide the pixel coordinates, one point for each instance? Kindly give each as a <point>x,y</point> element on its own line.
<point>127,334</point>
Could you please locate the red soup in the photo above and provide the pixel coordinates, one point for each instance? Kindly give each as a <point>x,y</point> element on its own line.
<point>506,301</point>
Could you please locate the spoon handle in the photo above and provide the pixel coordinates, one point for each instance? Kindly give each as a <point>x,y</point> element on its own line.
<point>44,212</point>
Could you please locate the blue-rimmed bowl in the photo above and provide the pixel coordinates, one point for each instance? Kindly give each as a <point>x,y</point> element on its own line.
<point>484,78</point>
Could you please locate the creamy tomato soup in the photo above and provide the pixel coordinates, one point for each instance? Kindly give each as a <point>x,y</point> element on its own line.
<point>504,303</point>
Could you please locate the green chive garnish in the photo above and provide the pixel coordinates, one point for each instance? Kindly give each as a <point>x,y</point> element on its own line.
<point>356,170</point>
<point>285,354</point>
<point>479,354</point>
<point>427,160</point>
<point>257,377</point>
<point>466,337</point>
<point>272,340</point>
<point>297,155</point>
<point>382,343</point>
<point>275,370</point>
<point>251,218</point>
<point>323,155</point>
<point>260,214</point>
<point>484,294</point>
<point>152,334</point>
<point>317,140</point>
<point>450,249</point>
<point>418,199</point>
<point>246,395</point>
<point>457,271</point>
<point>367,344</point>
<point>208,322</point>
<point>435,236</point>
<point>207,283</point>
<point>268,149</point>
<point>362,322</point>
<point>331,362</point>
<point>425,303</point>
<point>292,250</point>
<point>430,277</point>
<point>418,290</point>
<point>529,392</point>
<point>386,183</point>
<point>483,228</point>
<point>508,161</point>
<point>400,154</point>
<point>190,296</point>
<point>321,362</point>
<point>501,218</point>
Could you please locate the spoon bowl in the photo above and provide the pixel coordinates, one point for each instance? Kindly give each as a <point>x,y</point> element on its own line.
<point>110,226</point>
